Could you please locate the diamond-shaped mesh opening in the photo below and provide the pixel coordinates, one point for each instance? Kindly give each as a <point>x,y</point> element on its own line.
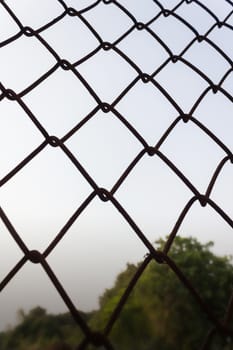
<point>148,110</point>
<point>104,143</point>
<point>221,38</point>
<point>27,60</point>
<point>188,158</point>
<point>44,180</point>
<point>102,72</point>
<point>199,55</point>
<point>62,112</point>
<point>60,40</point>
<point>115,22</point>
<point>144,50</point>
<point>144,196</point>
<point>164,27</point>
<point>99,223</point>
<point>183,96</point>
<point>196,16</point>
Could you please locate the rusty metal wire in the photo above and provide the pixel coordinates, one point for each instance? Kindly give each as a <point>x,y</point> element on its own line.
<point>108,195</point>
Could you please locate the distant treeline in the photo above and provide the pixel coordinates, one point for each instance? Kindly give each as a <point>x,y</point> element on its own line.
<point>159,314</point>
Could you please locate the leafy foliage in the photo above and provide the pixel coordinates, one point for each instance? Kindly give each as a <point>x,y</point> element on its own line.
<point>39,330</point>
<point>159,314</point>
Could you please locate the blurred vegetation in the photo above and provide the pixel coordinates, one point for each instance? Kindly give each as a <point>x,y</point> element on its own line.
<point>39,330</point>
<point>159,314</point>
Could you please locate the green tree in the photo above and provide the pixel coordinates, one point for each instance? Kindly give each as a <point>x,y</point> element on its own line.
<point>38,330</point>
<point>161,313</point>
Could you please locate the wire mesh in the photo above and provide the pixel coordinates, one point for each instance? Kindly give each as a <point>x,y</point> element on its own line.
<point>74,66</point>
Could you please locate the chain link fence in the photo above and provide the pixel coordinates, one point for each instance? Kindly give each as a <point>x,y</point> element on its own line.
<point>159,12</point>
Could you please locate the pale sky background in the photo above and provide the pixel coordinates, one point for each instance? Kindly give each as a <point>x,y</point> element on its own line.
<point>45,193</point>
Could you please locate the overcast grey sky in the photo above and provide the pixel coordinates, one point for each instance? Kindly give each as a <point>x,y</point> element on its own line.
<point>44,194</point>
